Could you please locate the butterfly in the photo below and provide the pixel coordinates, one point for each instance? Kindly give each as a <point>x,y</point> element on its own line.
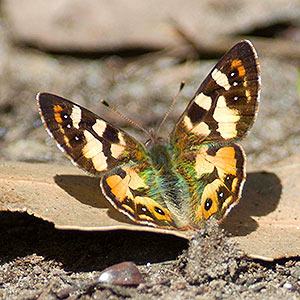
<point>176,184</point>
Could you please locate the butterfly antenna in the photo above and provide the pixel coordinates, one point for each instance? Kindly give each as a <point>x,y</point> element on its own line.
<point>133,123</point>
<point>182,84</point>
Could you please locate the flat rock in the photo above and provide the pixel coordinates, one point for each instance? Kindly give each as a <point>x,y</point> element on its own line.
<point>266,223</point>
<point>98,25</point>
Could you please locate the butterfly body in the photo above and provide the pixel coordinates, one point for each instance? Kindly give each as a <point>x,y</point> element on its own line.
<point>154,180</point>
<point>198,173</point>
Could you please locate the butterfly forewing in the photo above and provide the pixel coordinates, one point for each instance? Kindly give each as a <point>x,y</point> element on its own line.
<point>225,105</point>
<point>89,141</point>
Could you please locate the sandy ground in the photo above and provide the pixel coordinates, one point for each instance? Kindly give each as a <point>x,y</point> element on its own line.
<point>40,262</point>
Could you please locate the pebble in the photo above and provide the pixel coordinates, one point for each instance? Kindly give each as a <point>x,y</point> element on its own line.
<point>125,274</point>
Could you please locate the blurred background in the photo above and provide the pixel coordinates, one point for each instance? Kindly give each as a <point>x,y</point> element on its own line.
<point>134,54</point>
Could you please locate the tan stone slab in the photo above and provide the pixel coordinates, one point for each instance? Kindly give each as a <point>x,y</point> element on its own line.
<point>99,25</point>
<point>62,195</point>
<point>266,223</point>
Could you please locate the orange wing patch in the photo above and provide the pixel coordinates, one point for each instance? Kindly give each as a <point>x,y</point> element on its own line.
<point>209,192</point>
<point>237,63</point>
<point>223,159</point>
<point>57,110</point>
<point>155,209</point>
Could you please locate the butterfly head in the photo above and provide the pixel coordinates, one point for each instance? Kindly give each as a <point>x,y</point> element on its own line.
<point>154,138</point>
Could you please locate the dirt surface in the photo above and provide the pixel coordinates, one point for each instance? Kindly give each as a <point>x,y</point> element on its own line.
<point>40,262</point>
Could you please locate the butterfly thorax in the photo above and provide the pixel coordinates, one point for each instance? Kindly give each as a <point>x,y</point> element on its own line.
<point>160,155</point>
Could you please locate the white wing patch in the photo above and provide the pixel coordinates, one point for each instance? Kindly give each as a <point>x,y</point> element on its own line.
<point>76,116</point>
<point>221,79</point>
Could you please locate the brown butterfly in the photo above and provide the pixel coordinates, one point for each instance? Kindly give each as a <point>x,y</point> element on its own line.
<point>198,173</point>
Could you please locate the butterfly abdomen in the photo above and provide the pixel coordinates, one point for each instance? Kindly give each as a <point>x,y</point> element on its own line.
<point>166,185</point>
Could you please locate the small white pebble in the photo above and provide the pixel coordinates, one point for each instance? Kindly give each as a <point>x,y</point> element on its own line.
<point>287,285</point>
<point>104,277</point>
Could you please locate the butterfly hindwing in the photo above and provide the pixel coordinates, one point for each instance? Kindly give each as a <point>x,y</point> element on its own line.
<point>216,177</point>
<point>89,141</point>
<point>128,191</point>
<point>225,105</point>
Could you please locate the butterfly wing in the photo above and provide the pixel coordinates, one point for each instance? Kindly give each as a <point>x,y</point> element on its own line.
<point>216,176</point>
<point>225,105</point>
<point>102,149</point>
<point>221,112</point>
<point>89,141</point>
